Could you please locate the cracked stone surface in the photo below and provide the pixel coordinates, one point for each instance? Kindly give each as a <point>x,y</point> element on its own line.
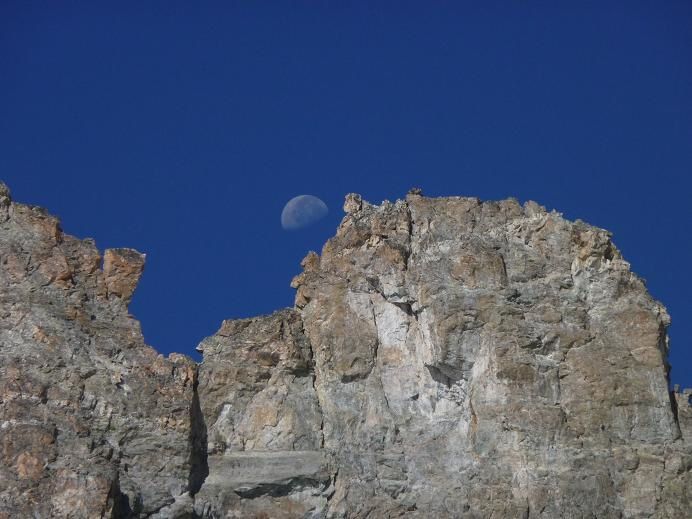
<point>93,423</point>
<point>445,357</point>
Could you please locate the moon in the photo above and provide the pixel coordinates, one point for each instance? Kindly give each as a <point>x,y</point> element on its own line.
<point>302,211</point>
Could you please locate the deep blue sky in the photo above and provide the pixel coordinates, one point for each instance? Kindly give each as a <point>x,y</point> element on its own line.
<point>182,130</point>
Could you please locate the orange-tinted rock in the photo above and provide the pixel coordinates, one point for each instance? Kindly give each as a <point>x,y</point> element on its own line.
<point>122,269</point>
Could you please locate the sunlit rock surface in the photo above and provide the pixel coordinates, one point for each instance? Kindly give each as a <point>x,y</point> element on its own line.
<point>93,423</point>
<point>445,357</point>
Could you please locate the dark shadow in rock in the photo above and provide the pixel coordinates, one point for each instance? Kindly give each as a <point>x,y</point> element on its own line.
<point>199,466</point>
<point>121,502</point>
<point>279,489</point>
<point>674,407</point>
<point>447,377</point>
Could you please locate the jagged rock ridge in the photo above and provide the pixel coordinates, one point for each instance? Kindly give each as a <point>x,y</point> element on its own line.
<point>93,423</point>
<point>445,358</point>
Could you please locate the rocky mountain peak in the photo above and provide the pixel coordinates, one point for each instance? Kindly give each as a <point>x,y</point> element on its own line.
<point>445,357</point>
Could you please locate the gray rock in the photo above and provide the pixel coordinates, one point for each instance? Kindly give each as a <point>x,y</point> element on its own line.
<point>93,423</point>
<point>446,357</point>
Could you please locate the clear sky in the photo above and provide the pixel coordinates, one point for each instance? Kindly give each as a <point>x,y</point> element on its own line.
<point>182,130</point>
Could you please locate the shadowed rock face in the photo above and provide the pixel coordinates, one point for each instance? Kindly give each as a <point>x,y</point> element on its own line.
<point>445,358</point>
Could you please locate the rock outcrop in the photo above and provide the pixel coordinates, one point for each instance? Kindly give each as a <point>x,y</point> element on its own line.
<point>445,357</point>
<point>93,423</point>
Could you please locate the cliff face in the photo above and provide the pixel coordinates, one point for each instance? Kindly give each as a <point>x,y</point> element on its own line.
<point>93,423</point>
<point>445,358</point>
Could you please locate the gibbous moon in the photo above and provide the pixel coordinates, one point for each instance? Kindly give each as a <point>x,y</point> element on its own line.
<point>302,211</point>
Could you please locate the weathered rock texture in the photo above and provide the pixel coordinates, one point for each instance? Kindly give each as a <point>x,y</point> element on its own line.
<point>93,423</point>
<point>445,358</point>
